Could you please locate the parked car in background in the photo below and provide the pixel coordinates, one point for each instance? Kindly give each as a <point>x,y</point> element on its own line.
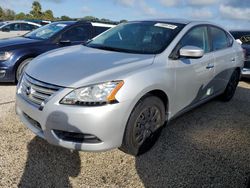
<point>120,88</point>
<point>244,37</point>
<point>11,29</point>
<point>16,53</point>
<point>41,22</point>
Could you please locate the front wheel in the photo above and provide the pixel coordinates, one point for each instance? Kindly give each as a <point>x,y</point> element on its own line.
<point>231,87</point>
<point>21,68</point>
<point>144,126</point>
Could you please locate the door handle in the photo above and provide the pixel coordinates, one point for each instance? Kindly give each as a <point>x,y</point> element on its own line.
<point>210,66</point>
<point>233,59</point>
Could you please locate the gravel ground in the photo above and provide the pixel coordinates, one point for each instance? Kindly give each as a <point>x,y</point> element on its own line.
<point>207,147</point>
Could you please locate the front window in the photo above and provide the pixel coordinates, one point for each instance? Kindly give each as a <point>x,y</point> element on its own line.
<point>46,32</point>
<point>13,27</point>
<point>197,37</point>
<point>138,37</point>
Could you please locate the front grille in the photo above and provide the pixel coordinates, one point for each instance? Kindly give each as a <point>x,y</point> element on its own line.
<point>36,92</point>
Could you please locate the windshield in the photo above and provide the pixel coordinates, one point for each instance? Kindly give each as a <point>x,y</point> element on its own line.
<point>137,37</point>
<point>2,23</point>
<point>46,32</point>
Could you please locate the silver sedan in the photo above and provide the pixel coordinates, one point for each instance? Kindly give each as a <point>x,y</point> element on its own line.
<point>121,88</point>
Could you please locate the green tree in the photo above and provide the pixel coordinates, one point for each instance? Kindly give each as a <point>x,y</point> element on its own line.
<point>9,14</point>
<point>21,16</point>
<point>123,21</point>
<point>105,20</point>
<point>36,11</point>
<point>1,13</point>
<point>48,15</point>
<point>90,18</point>
<point>65,18</point>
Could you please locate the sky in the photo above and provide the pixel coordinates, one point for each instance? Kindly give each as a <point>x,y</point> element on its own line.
<point>232,14</point>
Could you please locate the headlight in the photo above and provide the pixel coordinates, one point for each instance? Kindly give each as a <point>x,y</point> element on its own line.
<point>98,94</point>
<point>4,56</point>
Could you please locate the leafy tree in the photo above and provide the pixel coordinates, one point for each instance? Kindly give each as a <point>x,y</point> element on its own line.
<point>48,15</point>
<point>105,20</point>
<point>1,13</point>
<point>65,18</point>
<point>21,16</point>
<point>9,14</point>
<point>90,18</point>
<point>36,11</point>
<point>123,21</point>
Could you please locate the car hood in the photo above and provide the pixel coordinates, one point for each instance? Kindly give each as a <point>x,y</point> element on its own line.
<point>79,65</point>
<point>16,41</point>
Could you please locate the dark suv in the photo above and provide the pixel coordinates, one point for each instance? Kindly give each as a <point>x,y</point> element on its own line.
<point>244,37</point>
<point>16,53</point>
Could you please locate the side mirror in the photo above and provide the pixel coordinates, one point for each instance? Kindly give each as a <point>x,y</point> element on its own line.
<point>191,52</point>
<point>65,42</point>
<point>5,29</point>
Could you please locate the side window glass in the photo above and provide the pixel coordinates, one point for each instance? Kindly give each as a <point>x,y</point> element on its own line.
<point>219,39</point>
<point>13,27</point>
<point>78,33</point>
<point>99,30</point>
<point>196,37</point>
<point>28,27</point>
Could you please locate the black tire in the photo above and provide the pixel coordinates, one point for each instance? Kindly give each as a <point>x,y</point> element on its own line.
<point>21,68</point>
<point>231,87</point>
<point>144,126</point>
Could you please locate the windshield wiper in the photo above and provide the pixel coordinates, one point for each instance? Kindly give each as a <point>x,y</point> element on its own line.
<point>109,48</point>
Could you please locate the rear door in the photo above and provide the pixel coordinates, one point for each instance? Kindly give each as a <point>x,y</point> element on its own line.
<point>194,75</point>
<point>224,55</point>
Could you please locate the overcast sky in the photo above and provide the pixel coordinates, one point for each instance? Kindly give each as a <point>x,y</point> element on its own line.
<point>229,13</point>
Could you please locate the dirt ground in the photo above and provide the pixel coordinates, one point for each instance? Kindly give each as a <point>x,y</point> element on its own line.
<point>206,147</point>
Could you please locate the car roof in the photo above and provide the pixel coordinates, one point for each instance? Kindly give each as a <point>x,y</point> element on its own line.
<point>20,21</point>
<point>97,24</point>
<point>240,31</point>
<point>181,21</point>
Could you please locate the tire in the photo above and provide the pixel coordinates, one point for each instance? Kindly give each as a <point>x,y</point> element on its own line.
<point>231,87</point>
<point>21,68</point>
<point>144,126</point>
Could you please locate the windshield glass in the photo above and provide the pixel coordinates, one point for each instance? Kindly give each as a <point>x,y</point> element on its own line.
<point>137,37</point>
<point>46,32</point>
<point>2,23</point>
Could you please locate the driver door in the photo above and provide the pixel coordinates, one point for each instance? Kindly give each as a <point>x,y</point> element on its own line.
<point>194,75</point>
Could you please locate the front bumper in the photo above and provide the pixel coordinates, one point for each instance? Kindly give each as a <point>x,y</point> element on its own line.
<point>245,73</point>
<point>7,72</point>
<point>107,122</point>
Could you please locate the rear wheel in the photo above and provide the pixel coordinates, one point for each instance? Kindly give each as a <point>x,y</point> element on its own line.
<point>144,126</point>
<point>21,68</point>
<point>231,87</point>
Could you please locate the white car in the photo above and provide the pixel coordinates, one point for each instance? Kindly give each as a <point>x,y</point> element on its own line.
<point>11,29</point>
